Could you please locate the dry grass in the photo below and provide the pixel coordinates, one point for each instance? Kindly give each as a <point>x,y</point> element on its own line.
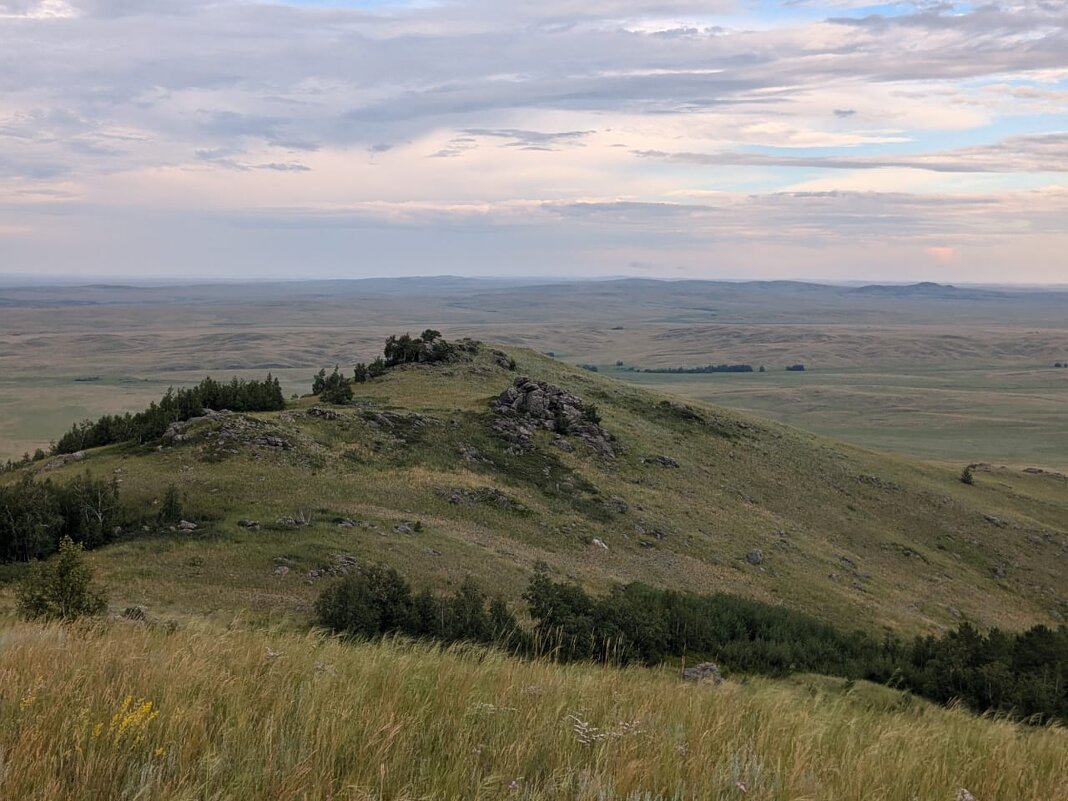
<point>134,712</point>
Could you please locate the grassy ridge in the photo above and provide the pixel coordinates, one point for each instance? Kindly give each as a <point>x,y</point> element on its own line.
<point>131,711</point>
<point>854,537</point>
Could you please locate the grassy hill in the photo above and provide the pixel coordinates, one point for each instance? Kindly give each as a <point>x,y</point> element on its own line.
<point>413,473</point>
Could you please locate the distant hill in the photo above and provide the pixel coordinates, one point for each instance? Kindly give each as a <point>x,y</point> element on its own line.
<point>927,289</point>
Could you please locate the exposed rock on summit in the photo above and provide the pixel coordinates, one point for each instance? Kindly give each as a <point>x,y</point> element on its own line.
<point>530,405</point>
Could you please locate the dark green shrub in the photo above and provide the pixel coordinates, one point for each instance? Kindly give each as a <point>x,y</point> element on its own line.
<point>61,588</point>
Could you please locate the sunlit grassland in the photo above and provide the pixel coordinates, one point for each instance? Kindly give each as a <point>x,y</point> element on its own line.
<point>126,711</point>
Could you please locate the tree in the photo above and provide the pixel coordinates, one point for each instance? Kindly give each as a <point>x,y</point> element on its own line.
<point>170,510</point>
<point>336,388</point>
<point>966,476</point>
<point>61,588</point>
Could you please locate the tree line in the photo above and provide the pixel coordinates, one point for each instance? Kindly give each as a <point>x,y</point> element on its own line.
<point>238,395</point>
<point>36,515</point>
<point>1024,675</point>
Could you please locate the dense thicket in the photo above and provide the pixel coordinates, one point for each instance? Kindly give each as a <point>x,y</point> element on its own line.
<point>378,600</point>
<point>36,515</point>
<point>176,405</point>
<point>1025,675</point>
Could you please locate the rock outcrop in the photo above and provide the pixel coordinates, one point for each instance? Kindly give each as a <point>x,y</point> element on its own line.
<point>706,672</point>
<point>529,405</point>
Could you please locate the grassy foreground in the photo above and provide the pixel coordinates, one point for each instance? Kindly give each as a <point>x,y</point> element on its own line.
<point>123,711</point>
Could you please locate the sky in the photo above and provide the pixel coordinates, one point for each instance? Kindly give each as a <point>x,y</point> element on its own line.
<point>823,139</point>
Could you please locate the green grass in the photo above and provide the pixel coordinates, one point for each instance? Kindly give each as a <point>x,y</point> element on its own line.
<point>855,537</point>
<point>975,414</point>
<point>126,711</point>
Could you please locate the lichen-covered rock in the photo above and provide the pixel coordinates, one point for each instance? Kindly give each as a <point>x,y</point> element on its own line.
<point>706,672</point>
<point>529,405</point>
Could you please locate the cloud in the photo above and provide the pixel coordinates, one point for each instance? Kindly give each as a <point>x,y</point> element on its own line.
<point>1018,154</point>
<point>943,254</point>
<point>581,120</point>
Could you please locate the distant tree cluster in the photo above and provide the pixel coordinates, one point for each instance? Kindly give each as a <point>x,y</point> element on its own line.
<point>1025,675</point>
<point>1061,364</point>
<point>35,516</point>
<point>238,395</point>
<point>11,465</point>
<point>708,368</point>
<point>427,348</point>
<point>589,367</point>
<point>795,368</point>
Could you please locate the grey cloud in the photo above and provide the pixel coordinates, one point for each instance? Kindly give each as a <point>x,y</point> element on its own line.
<point>1032,153</point>
<point>532,140</point>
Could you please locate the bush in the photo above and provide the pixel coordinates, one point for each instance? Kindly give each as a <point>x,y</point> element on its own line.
<point>170,509</point>
<point>966,476</point>
<point>61,588</point>
<point>333,388</point>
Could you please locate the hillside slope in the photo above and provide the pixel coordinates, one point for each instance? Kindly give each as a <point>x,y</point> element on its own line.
<point>134,711</point>
<point>422,472</point>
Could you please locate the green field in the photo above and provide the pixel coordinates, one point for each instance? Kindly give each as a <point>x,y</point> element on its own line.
<point>962,379</point>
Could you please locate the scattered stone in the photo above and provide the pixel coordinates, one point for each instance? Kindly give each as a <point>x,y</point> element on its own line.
<point>600,543</point>
<point>269,441</point>
<point>62,461</point>
<point>1034,470</point>
<point>472,454</point>
<point>187,525</point>
<point>281,570</point>
<point>340,565</point>
<point>644,529</point>
<point>463,496</point>
<point>755,557</point>
<point>178,431</point>
<point>502,360</point>
<point>345,522</point>
<point>433,551</point>
<point>617,505</point>
<point>293,522</point>
<point>403,528</point>
<point>1000,571</point>
<point>995,521</point>
<point>662,461</point>
<point>252,525</point>
<point>704,673</point>
<point>325,414</point>
<point>964,795</point>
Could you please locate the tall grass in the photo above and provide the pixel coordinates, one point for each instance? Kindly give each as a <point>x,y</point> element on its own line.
<point>133,712</point>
